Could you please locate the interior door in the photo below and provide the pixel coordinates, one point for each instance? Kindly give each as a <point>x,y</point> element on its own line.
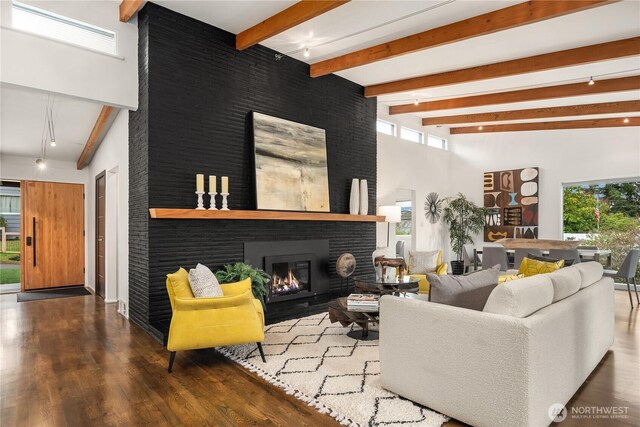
<point>100,234</point>
<point>53,228</point>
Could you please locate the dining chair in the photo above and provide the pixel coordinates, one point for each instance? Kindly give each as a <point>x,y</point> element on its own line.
<point>468,256</point>
<point>400,249</point>
<point>492,255</point>
<point>523,252</point>
<point>565,254</point>
<point>627,272</point>
<point>583,257</point>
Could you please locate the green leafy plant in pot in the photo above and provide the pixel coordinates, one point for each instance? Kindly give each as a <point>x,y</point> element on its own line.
<point>464,219</point>
<point>260,280</point>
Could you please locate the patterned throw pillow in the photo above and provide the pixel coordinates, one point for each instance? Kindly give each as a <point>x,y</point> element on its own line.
<point>531,267</point>
<point>204,283</point>
<point>567,262</point>
<point>423,262</point>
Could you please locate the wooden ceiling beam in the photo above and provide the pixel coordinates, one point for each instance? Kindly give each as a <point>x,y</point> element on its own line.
<point>569,124</point>
<point>128,9</point>
<point>537,113</point>
<point>103,123</point>
<point>488,23</point>
<point>548,61</point>
<point>535,94</point>
<point>282,21</point>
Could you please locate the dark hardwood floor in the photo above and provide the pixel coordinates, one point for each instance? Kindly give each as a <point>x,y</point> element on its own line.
<point>75,362</point>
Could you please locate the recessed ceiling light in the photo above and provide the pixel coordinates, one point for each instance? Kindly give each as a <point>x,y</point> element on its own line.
<point>306,53</point>
<point>479,127</point>
<point>626,120</point>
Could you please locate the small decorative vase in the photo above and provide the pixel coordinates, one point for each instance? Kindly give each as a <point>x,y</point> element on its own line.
<point>354,200</point>
<point>364,197</point>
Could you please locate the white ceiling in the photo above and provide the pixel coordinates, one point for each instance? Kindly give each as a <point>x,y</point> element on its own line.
<point>22,116</point>
<point>360,23</point>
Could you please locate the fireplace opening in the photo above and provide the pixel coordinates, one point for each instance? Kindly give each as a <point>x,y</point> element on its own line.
<point>298,268</point>
<point>290,277</point>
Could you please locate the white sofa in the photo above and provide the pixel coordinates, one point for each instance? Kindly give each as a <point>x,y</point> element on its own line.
<point>534,344</point>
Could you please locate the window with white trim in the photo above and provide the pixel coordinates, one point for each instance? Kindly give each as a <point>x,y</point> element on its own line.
<point>386,127</point>
<point>412,135</point>
<point>58,27</point>
<point>437,142</point>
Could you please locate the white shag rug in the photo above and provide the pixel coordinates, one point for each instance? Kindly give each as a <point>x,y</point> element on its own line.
<point>317,362</point>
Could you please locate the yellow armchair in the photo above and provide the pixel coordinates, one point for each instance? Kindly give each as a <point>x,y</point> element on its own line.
<point>424,287</point>
<point>234,318</point>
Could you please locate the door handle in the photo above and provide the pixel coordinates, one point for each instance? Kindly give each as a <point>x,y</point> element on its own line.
<point>34,241</point>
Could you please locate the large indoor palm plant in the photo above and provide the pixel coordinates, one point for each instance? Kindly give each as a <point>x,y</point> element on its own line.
<point>465,219</point>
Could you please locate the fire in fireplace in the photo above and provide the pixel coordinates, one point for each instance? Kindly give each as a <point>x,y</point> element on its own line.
<point>289,277</point>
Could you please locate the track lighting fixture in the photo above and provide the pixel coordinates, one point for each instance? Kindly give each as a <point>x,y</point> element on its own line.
<point>306,53</point>
<point>626,120</point>
<point>591,82</point>
<point>52,143</point>
<point>415,102</point>
<point>40,163</point>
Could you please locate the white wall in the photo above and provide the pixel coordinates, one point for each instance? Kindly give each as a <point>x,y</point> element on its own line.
<point>36,62</point>
<point>113,157</point>
<point>24,168</point>
<point>563,156</point>
<point>405,165</point>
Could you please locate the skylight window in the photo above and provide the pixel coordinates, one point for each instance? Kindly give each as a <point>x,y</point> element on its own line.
<point>58,27</point>
<point>411,135</point>
<point>385,127</point>
<point>437,142</point>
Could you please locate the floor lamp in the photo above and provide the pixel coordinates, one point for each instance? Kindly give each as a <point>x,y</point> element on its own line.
<point>391,214</point>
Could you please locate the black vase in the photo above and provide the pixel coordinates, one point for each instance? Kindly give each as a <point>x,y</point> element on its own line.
<point>457,267</point>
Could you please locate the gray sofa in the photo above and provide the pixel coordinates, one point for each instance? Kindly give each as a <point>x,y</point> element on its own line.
<point>534,344</point>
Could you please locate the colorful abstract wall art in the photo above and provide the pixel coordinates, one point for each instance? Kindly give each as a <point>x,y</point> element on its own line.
<point>511,198</point>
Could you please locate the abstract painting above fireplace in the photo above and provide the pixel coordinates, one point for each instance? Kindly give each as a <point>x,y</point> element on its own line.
<point>298,268</point>
<point>291,165</point>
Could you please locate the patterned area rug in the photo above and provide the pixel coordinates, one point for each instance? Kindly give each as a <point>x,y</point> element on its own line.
<point>318,363</point>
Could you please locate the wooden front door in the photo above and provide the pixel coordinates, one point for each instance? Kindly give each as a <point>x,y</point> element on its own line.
<point>100,234</point>
<point>52,217</point>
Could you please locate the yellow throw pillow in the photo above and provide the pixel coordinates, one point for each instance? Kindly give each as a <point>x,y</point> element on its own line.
<point>531,267</point>
<point>441,270</point>
<point>508,277</point>
<point>180,283</point>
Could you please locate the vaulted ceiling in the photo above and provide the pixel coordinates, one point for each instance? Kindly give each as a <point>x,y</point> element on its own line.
<point>344,38</point>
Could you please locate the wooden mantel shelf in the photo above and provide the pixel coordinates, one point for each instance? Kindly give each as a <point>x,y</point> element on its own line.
<point>164,213</point>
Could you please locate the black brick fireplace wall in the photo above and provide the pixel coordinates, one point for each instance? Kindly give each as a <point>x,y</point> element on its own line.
<point>196,95</point>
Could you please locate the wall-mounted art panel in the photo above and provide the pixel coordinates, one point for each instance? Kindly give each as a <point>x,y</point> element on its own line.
<point>291,165</point>
<point>512,199</point>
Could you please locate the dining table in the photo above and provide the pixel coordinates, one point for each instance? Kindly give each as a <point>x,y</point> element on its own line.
<point>585,255</point>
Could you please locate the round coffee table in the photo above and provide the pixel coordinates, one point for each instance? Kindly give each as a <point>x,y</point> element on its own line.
<point>386,288</point>
<point>339,312</point>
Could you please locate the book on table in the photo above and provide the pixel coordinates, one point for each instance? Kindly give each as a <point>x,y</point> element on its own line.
<point>363,301</point>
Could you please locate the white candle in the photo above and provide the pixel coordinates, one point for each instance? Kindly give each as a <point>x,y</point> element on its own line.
<point>225,184</point>
<point>212,184</point>
<point>200,183</point>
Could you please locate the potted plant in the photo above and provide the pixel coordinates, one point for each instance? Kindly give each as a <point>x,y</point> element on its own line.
<point>260,280</point>
<point>464,219</point>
